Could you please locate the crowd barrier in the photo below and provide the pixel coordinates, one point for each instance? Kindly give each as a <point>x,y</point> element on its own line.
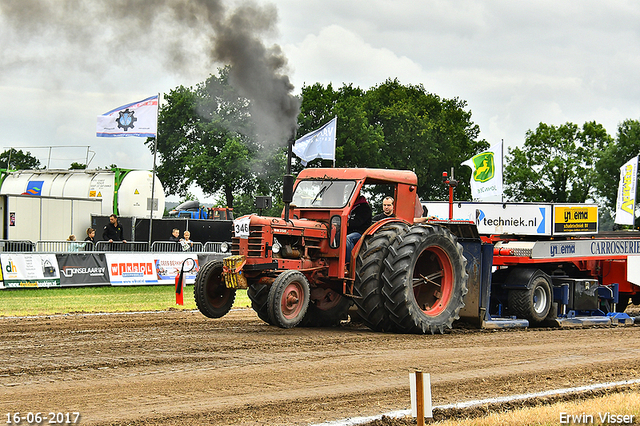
<point>38,266</point>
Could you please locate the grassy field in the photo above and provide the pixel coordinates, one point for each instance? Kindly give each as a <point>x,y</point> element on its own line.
<point>608,409</point>
<point>49,301</point>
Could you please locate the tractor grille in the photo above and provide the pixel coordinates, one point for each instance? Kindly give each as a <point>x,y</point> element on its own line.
<point>255,242</point>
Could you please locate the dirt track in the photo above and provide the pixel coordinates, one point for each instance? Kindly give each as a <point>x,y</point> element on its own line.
<point>180,368</point>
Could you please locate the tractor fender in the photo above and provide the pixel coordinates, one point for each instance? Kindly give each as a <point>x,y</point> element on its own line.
<point>521,278</point>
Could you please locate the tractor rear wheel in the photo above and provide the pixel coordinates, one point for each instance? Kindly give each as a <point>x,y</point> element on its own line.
<point>212,297</point>
<point>534,302</point>
<point>288,299</point>
<point>326,308</point>
<point>258,294</point>
<point>424,280</point>
<point>368,285</point>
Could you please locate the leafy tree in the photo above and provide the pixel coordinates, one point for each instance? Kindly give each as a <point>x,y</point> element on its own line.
<point>613,156</point>
<point>17,160</point>
<point>556,164</point>
<point>395,126</point>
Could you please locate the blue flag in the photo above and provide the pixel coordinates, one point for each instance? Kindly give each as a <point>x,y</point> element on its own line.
<point>320,143</point>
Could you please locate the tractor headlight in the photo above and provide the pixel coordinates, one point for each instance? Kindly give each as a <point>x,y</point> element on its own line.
<point>276,246</point>
<point>224,247</point>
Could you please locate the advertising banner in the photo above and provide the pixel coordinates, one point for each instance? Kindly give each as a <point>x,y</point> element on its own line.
<point>168,267</point>
<point>128,269</point>
<point>22,270</point>
<point>626,202</point>
<point>83,269</point>
<point>575,219</point>
<point>152,268</point>
<point>498,218</point>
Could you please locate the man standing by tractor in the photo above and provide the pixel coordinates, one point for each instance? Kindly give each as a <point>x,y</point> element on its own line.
<point>359,221</point>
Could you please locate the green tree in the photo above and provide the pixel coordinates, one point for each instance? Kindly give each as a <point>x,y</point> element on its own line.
<point>613,156</point>
<point>395,126</point>
<point>13,159</point>
<point>556,164</point>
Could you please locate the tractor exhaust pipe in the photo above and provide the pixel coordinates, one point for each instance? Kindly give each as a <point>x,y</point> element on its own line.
<point>287,187</point>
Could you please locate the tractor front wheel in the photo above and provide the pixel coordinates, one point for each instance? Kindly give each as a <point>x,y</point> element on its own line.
<point>288,299</point>
<point>212,297</point>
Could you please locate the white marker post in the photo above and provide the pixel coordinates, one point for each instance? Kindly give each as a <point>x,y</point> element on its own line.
<point>420,385</point>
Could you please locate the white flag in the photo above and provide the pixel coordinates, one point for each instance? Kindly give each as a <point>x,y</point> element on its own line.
<point>320,143</point>
<point>486,174</point>
<point>625,206</point>
<point>136,119</point>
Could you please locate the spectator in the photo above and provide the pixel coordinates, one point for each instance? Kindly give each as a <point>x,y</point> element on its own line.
<point>113,232</point>
<point>186,242</point>
<point>90,239</point>
<point>73,245</point>
<point>175,238</point>
<point>387,210</point>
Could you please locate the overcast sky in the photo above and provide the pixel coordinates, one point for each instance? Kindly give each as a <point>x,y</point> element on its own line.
<point>515,63</point>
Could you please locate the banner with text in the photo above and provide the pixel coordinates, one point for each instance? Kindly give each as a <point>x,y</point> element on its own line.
<point>626,203</point>
<point>83,269</point>
<point>22,270</point>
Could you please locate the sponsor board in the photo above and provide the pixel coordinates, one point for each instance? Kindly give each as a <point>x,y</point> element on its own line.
<point>22,270</point>
<point>168,267</point>
<point>575,219</point>
<point>80,269</point>
<point>152,268</point>
<point>585,248</point>
<point>498,218</point>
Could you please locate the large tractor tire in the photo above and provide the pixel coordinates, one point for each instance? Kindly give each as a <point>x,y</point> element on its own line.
<point>533,303</point>
<point>288,299</point>
<point>368,285</point>
<point>258,294</point>
<point>424,280</point>
<point>327,308</point>
<point>212,297</point>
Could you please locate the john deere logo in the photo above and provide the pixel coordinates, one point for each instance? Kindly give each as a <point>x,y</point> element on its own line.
<point>484,167</point>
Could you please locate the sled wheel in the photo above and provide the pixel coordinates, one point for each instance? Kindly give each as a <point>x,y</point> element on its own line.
<point>212,297</point>
<point>424,280</point>
<point>533,303</point>
<point>369,266</point>
<point>288,299</point>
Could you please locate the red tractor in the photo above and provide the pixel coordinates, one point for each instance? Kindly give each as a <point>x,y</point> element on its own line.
<point>403,277</point>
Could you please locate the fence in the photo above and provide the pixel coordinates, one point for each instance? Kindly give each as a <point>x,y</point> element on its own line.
<point>17,246</point>
<point>173,246</point>
<point>61,246</point>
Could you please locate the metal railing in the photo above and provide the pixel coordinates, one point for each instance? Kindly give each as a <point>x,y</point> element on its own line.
<point>122,246</point>
<point>62,246</point>
<point>173,246</point>
<point>17,245</point>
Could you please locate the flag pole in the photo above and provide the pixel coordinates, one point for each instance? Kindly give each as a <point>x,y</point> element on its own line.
<point>502,171</point>
<point>153,174</point>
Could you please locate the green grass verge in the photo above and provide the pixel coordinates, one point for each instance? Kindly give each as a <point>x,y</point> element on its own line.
<point>49,301</point>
